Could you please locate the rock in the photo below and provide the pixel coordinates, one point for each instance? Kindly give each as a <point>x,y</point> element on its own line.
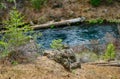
<point>117,55</point>
<point>66,57</point>
<point>118,27</point>
<point>84,59</point>
<point>49,53</point>
<point>88,57</point>
<point>56,5</point>
<point>79,48</point>
<point>109,38</point>
<point>105,10</point>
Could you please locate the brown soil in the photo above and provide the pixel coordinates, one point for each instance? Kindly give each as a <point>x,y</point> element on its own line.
<point>72,9</point>
<point>43,68</point>
<point>69,9</point>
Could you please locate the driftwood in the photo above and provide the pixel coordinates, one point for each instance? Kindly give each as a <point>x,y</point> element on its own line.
<point>61,23</point>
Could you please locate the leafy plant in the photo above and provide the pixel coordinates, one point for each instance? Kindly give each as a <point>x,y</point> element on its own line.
<point>95,21</point>
<point>114,21</point>
<point>11,0</point>
<point>95,2</point>
<point>110,52</point>
<point>100,21</point>
<point>2,6</point>
<point>57,44</point>
<point>38,3</point>
<point>14,36</point>
<point>14,63</point>
<point>52,26</point>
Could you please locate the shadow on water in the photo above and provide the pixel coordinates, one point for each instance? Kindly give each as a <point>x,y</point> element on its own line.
<point>76,35</point>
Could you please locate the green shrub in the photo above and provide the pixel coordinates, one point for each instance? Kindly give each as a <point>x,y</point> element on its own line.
<point>95,21</point>
<point>57,44</point>
<point>52,26</point>
<point>15,63</point>
<point>110,52</point>
<point>95,2</point>
<point>14,35</point>
<point>11,0</point>
<point>38,3</point>
<point>114,21</point>
<point>2,6</point>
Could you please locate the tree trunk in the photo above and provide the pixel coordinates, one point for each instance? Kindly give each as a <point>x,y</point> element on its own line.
<point>61,23</point>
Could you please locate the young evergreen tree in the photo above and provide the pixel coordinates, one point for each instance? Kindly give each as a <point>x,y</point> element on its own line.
<point>15,34</point>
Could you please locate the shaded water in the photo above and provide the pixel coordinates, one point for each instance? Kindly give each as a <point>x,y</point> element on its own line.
<point>76,35</point>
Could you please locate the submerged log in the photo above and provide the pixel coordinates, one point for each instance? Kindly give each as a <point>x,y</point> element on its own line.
<point>61,23</point>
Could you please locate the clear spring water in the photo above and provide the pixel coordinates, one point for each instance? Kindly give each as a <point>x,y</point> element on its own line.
<point>75,35</point>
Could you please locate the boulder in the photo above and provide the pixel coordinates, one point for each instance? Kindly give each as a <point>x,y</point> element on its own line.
<point>66,57</point>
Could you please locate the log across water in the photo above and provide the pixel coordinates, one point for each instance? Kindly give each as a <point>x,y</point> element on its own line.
<point>61,23</point>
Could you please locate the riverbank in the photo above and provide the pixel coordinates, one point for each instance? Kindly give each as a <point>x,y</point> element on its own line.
<point>44,68</point>
<point>68,9</point>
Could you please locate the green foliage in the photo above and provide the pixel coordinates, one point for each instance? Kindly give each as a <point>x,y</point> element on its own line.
<point>52,26</point>
<point>95,2</point>
<point>11,0</point>
<point>38,3</point>
<point>96,21</point>
<point>57,44</point>
<point>2,6</point>
<point>110,1</point>
<point>14,36</point>
<point>14,63</point>
<point>110,52</point>
<point>114,21</point>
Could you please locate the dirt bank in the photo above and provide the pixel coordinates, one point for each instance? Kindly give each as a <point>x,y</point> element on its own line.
<point>43,68</point>
<point>66,9</point>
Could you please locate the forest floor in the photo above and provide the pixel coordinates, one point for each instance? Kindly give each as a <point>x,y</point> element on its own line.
<point>44,68</point>
<point>57,10</point>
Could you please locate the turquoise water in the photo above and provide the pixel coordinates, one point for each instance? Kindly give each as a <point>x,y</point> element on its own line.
<point>76,35</point>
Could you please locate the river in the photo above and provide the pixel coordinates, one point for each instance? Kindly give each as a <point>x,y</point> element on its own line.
<point>76,35</point>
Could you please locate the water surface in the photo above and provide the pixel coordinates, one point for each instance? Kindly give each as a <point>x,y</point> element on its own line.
<point>76,35</point>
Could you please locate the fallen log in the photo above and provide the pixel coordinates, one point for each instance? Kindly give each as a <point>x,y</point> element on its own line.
<point>61,23</point>
<point>111,64</point>
<point>115,64</point>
